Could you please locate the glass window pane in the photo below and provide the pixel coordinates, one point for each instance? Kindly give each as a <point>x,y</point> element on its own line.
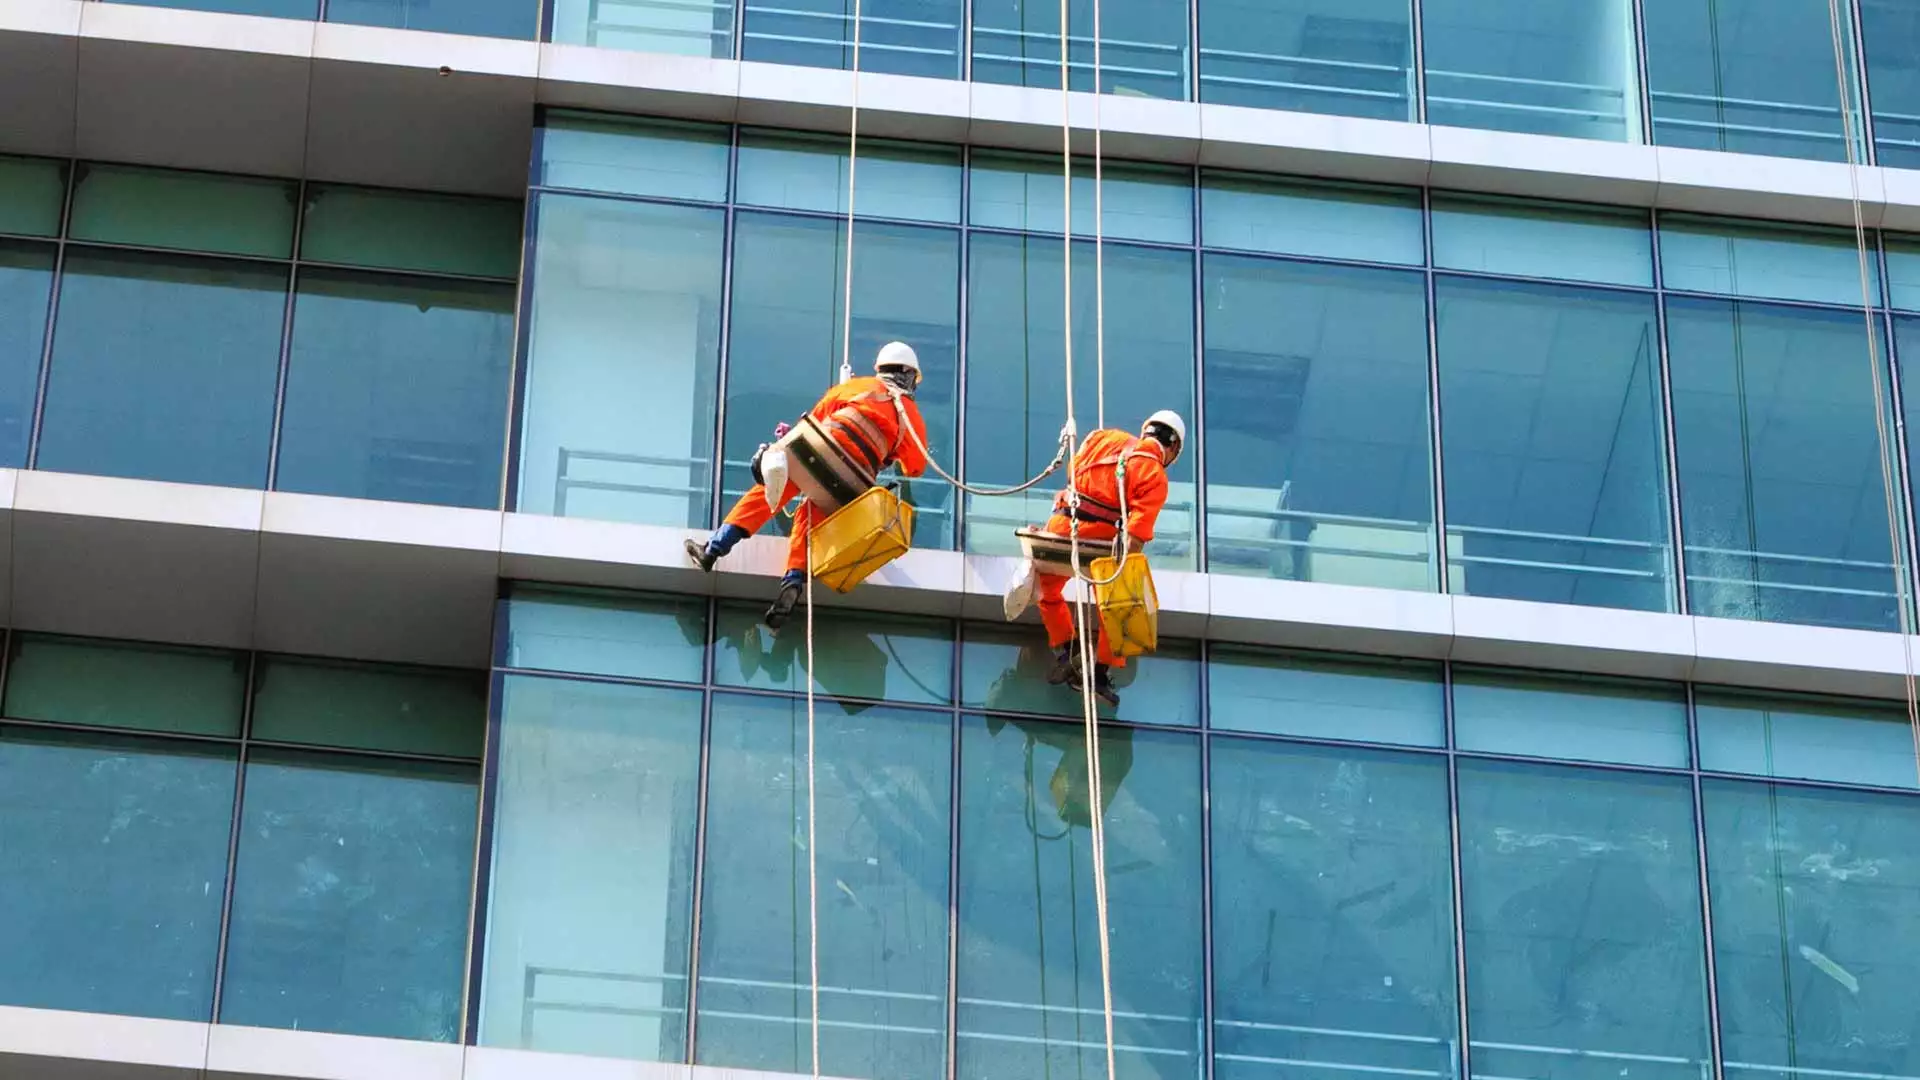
<point>1569,69</point>
<point>590,913</point>
<point>1138,202</point>
<point>1326,697</point>
<point>280,9</point>
<point>664,158</point>
<point>912,181</point>
<point>900,37</point>
<point>1781,499</point>
<point>1815,942</point>
<point>789,280</point>
<point>1906,341</point>
<point>1755,77</point>
<point>1765,262</point>
<point>370,706</point>
<point>232,215</point>
<point>1570,717</point>
<point>1143,46</point>
<point>1029,969</point>
<point>1331,221</point>
<point>856,655</point>
<point>1317,433</point>
<point>397,389</point>
<point>1016,392</point>
<point>594,633</point>
<point>1903,273</point>
<point>1333,912</point>
<point>1545,240</point>
<point>1004,669</point>
<point>409,230</point>
<point>112,867</point>
<point>485,18</point>
<point>32,193</point>
<point>1583,930</point>
<point>1301,55</point>
<point>625,322</point>
<point>882,829</point>
<point>1888,29</point>
<point>164,369</point>
<point>1553,439</point>
<point>700,28</point>
<point>350,896</point>
<point>26,285</point>
<point>1850,742</point>
<point>166,688</point>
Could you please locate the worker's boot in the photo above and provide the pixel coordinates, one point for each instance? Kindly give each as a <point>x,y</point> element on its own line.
<point>1103,686</point>
<point>1065,664</point>
<point>791,587</point>
<point>716,546</point>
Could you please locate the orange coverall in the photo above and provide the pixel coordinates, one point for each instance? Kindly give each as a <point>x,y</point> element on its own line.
<point>1094,478</point>
<point>868,397</point>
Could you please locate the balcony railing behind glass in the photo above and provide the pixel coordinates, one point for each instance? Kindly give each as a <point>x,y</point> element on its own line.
<point>679,27</point>
<point>1314,84</point>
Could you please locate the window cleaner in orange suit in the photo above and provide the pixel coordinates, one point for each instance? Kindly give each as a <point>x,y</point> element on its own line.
<point>1097,467</point>
<point>860,416</point>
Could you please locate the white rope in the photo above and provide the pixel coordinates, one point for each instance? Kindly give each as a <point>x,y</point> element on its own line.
<point>813,859</point>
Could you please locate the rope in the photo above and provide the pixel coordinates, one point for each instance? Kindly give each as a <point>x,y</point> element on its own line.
<point>1889,490</point>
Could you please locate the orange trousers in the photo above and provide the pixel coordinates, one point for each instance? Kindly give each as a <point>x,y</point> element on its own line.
<point>1055,613</point>
<point>752,512</point>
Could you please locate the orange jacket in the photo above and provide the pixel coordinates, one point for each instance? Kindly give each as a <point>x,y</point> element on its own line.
<point>860,416</point>
<point>1093,475</point>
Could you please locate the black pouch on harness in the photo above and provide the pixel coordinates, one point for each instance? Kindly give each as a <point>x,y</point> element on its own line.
<point>753,465</point>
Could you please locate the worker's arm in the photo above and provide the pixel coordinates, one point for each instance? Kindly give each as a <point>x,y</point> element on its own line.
<point>912,460</point>
<point>1146,495</point>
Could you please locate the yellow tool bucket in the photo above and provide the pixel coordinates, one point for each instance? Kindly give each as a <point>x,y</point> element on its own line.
<point>1129,607</point>
<point>859,538</point>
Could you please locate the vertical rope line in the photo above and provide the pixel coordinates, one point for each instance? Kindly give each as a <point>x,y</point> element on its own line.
<point>1099,239</point>
<point>813,857</point>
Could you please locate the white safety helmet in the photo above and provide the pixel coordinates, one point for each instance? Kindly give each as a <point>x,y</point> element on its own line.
<point>897,356</point>
<point>1170,420</point>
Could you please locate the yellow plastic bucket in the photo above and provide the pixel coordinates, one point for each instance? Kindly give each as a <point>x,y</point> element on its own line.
<point>859,538</point>
<point>1129,607</point>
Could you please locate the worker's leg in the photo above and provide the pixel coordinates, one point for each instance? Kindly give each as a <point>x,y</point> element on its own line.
<point>795,580</point>
<point>1055,614</point>
<point>747,517</point>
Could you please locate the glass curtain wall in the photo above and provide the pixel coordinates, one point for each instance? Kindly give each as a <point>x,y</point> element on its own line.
<point>1351,59</point>
<point>899,37</point>
<point>1567,69</point>
<point>1144,49</point>
<point>1888,29</point>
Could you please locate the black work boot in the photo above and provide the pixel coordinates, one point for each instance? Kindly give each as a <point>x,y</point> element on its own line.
<point>716,546</point>
<point>1103,686</point>
<point>783,604</point>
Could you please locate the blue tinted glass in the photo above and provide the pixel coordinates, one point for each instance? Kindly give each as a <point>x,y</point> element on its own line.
<point>1333,912</point>
<point>1581,902</point>
<point>1016,392</point>
<point>1317,423</point>
<point>1848,742</point>
<point>702,28</point>
<point>900,37</point>
<point>1136,202</point>
<point>1004,669</point>
<point>26,282</point>
<point>855,655</point>
<point>1552,436</point>
<point>397,389</point>
<point>809,172</point>
<point>1542,240</point>
<point>1903,273</point>
<point>1906,342</point>
<point>112,867</point>
<point>882,829</point>
<point>1781,499</point>
<point>664,158</point>
<point>1888,30</point>
<point>589,917</point>
<point>1764,262</point>
<point>164,369</point>
<point>1815,940</point>
<point>789,279</point>
<point>625,322</point>
<point>32,194</point>
<point>646,637</point>
<point>1143,45</point>
<point>1352,60</point>
<point>1029,970</point>
<point>1572,718</point>
<point>282,9</point>
<point>1325,697</point>
<point>1569,69</point>
<point>350,896</point>
<point>1323,220</point>
<point>1755,77</point>
<point>486,18</point>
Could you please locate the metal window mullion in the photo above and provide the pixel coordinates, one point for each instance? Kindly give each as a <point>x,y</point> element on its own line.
<point>1644,71</point>
<point>1436,473</point>
<point>1903,488</point>
<point>1682,603</point>
<point>1860,83</point>
<point>53,309</point>
<point>1205,735</point>
<point>1706,893</point>
<point>962,340</point>
<point>1194,85</point>
<point>522,359</point>
<point>233,842</point>
<point>487,812</point>
<point>1199,438</point>
<point>951,1069</point>
<point>1463,1058</point>
<point>285,361</point>
<point>701,792</point>
<point>721,369</point>
<point>1416,15</point>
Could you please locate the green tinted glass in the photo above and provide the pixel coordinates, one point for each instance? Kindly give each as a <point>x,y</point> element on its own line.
<point>123,685</point>
<point>31,191</point>
<point>234,215</point>
<point>370,706</point>
<point>406,230</point>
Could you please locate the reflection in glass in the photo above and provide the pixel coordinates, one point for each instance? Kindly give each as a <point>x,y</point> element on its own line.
<point>112,866</point>
<point>1016,392</point>
<point>1317,423</point>
<point>1004,669</point>
<point>350,897</point>
<point>1553,446</point>
<point>788,170</point>
<point>642,636</point>
<point>1763,260</point>
<point>702,28</point>
<point>26,284</point>
<point>1137,202</point>
<point>360,706</point>
<point>33,192</point>
<point>1355,59</point>
<point>1847,742</point>
<point>412,230</point>
<point>882,829</point>
<point>1333,911</point>
<point>1569,69</point>
<point>169,689</point>
<point>623,155</point>
<point>1583,927</point>
<point>1576,718</point>
<point>1531,238</point>
<point>625,322</point>
<point>1324,220</point>
<point>1781,499</point>
<point>187,211</point>
<point>1888,30</point>
<point>1143,46</point>
<point>855,655</point>
<point>1029,974</point>
<point>592,884</point>
<point>899,37</point>
<point>1325,697</point>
